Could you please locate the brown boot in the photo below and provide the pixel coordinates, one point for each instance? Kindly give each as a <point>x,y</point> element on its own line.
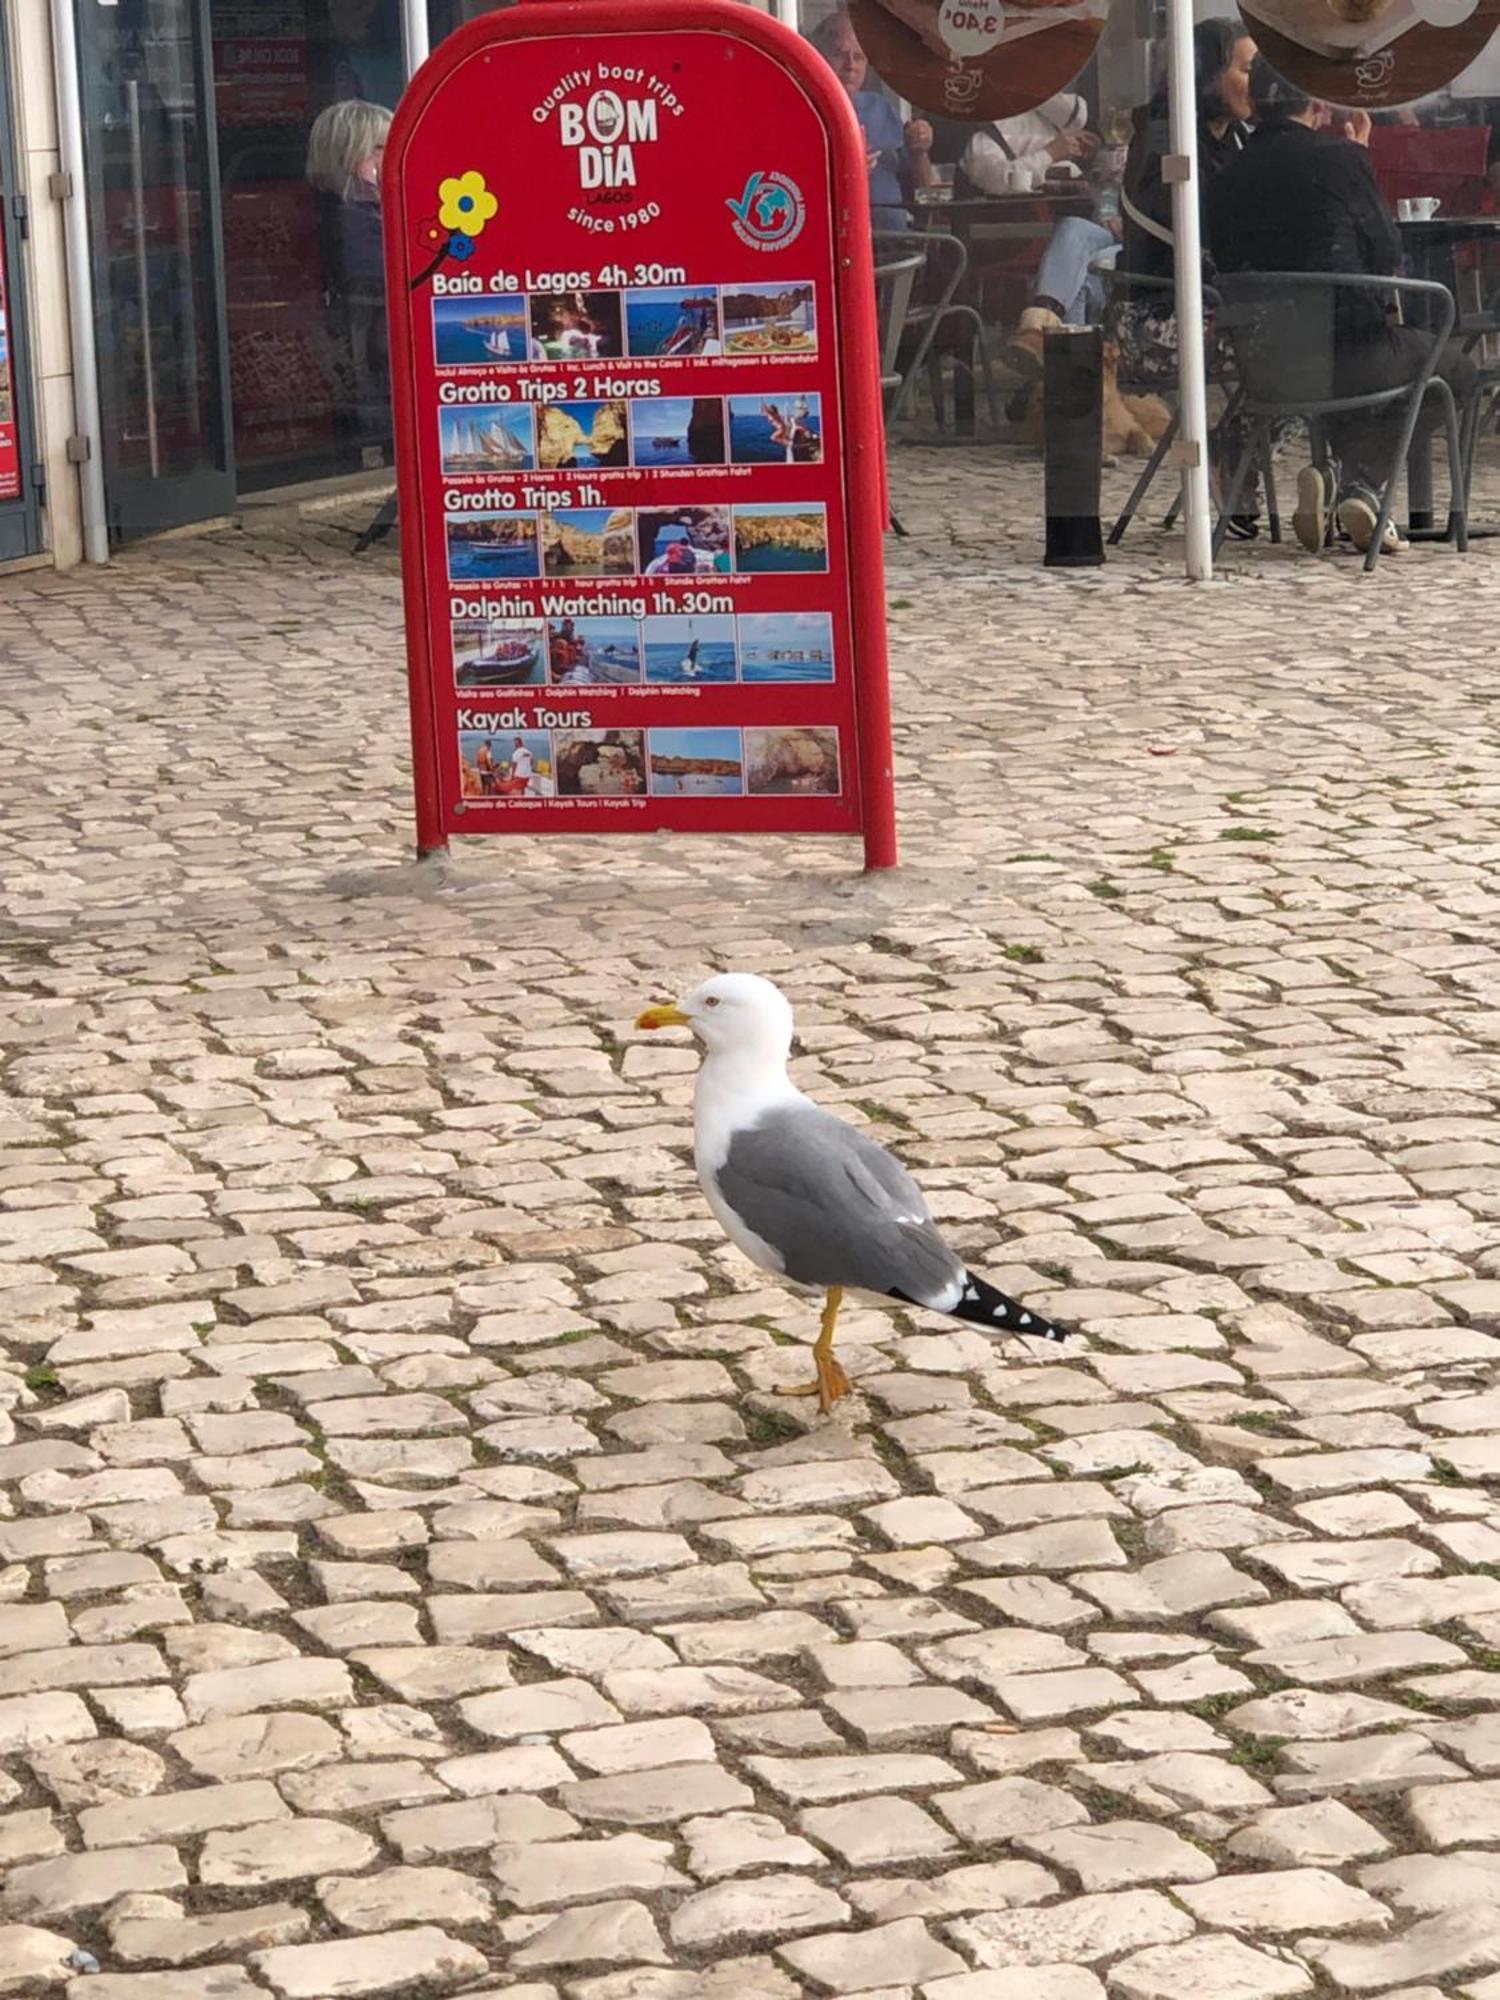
<point>1023,351</point>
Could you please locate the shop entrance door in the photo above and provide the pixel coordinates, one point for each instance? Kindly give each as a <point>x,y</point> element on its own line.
<point>20,475</point>
<point>158,262</point>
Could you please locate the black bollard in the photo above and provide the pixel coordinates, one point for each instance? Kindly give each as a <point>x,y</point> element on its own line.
<point>1072,407</point>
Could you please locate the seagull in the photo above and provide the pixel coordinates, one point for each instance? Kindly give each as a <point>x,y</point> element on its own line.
<point>806,1196</point>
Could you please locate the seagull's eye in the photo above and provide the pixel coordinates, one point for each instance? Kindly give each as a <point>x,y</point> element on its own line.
<point>710,1000</point>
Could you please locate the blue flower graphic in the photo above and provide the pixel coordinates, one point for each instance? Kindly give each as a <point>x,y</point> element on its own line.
<point>460,246</point>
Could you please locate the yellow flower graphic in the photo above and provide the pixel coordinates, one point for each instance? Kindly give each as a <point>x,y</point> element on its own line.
<point>465,203</point>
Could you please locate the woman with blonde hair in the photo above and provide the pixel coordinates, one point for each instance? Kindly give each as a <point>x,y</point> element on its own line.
<point>344,152</point>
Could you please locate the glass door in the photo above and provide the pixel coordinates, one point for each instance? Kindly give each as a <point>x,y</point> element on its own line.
<point>157,262</point>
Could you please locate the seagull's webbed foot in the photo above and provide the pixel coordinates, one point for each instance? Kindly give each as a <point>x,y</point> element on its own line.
<point>828,1385</point>
<point>830,1382</point>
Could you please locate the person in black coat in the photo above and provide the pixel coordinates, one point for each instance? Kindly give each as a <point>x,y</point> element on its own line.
<point>1303,197</point>
<point>1222,55</point>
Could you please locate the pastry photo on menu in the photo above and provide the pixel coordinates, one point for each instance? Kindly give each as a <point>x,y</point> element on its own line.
<point>1371,54</point>
<point>1348,29</point>
<point>977,58</point>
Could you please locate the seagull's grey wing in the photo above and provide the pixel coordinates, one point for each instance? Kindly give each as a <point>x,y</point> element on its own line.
<point>837,1208</point>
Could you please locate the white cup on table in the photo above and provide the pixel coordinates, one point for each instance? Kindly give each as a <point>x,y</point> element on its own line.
<point>1418,208</point>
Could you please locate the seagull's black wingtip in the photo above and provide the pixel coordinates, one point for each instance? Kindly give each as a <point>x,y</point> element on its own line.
<point>984,1306</point>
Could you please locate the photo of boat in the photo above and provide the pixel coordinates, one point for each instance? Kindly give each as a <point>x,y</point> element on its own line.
<point>468,332</point>
<point>498,652</point>
<point>594,652</point>
<point>485,546</point>
<point>489,438</point>
<point>673,320</point>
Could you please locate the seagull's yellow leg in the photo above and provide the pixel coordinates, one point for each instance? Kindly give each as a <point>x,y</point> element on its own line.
<point>831,1382</point>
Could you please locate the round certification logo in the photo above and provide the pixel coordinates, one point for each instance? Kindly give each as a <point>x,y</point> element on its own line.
<point>770,212</point>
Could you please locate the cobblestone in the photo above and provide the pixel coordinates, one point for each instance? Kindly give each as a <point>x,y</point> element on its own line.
<point>408,1581</point>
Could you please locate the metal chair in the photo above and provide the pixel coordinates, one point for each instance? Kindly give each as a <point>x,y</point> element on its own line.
<point>895,281</point>
<point>895,278</point>
<point>935,302</point>
<point>1474,329</point>
<point>1280,324</point>
<point>1127,288</point>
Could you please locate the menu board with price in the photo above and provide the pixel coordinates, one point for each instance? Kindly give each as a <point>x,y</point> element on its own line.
<point>638,429</point>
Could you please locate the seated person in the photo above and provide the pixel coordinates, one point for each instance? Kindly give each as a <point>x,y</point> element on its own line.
<point>899,157</point>
<point>1046,149</point>
<point>1031,152</point>
<point>1302,197</point>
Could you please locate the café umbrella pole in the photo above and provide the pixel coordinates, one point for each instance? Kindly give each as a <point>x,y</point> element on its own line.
<point>414,39</point>
<point>1192,386</point>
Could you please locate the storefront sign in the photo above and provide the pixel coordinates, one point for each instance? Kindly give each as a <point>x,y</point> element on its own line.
<point>638,429</point>
<point>10,440</point>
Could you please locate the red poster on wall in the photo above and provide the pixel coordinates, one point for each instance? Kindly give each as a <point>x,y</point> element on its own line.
<point>638,429</point>
<point>10,442</point>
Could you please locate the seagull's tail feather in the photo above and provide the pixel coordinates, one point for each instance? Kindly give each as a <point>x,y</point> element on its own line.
<point>982,1305</point>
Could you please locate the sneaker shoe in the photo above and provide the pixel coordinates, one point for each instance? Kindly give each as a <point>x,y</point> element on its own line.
<point>1023,351</point>
<point>1310,521</point>
<point>1358,513</point>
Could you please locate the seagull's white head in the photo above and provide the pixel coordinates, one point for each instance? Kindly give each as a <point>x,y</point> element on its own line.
<point>735,1014</point>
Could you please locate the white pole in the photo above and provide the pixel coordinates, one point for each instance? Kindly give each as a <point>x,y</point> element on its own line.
<point>786,13</point>
<point>1192,387</point>
<point>414,41</point>
<point>88,424</point>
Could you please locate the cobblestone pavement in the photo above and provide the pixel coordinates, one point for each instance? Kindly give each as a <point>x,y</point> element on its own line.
<point>407,1581</point>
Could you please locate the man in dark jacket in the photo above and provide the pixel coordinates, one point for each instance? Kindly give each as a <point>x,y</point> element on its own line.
<point>1303,197</point>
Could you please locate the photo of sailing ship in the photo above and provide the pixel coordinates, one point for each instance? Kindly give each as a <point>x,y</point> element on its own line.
<point>786,646</point>
<point>769,319</point>
<point>484,546</point>
<point>469,332</point>
<point>499,652</point>
<point>672,319</point>
<point>781,535</point>
<point>486,437</point>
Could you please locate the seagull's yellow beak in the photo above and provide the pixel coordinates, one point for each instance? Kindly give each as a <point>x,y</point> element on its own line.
<point>663,1017</point>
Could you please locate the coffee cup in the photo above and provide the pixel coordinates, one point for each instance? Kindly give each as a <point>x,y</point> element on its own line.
<point>1418,208</point>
